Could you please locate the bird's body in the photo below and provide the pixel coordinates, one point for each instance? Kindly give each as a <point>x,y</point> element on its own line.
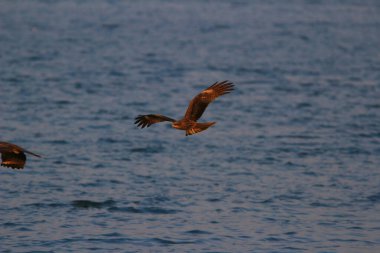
<point>194,111</point>
<point>13,156</point>
<point>191,127</point>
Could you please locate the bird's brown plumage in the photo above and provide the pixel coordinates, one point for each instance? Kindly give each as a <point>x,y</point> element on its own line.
<point>13,156</point>
<point>149,119</point>
<point>194,111</point>
<point>200,102</point>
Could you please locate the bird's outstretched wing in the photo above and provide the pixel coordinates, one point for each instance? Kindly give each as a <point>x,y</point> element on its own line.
<point>31,153</point>
<point>13,156</point>
<point>200,102</point>
<point>150,119</point>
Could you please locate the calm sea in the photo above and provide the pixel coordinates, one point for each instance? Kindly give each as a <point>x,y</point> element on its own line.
<point>292,164</point>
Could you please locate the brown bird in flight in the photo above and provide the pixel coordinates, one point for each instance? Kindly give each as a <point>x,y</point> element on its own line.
<point>13,156</point>
<point>194,111</point>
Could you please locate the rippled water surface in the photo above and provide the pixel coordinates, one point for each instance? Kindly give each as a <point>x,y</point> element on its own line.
<point>292,164</point>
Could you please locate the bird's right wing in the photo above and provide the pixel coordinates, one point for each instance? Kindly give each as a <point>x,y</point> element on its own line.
<point>200,102</point>
<point>150,119</point>
<point>13,148</point>
<point>13,156</point>
<point>31,153</point>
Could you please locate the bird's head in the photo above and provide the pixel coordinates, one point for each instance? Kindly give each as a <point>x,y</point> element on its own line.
<point>176,125</point>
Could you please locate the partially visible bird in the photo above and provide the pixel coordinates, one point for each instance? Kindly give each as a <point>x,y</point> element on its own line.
<point>13,156</point>
<point>194,111</point>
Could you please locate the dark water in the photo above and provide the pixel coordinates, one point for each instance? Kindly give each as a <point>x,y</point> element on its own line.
<point>292,164</point>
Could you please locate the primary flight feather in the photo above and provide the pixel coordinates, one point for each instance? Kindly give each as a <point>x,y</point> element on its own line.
<point>194,111</point>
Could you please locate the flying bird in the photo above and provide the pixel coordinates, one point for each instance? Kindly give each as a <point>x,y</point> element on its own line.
<point>13,156</point>
<point>194,111</point>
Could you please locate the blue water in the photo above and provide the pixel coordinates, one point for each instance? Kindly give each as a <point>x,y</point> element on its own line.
<point>292,164</point>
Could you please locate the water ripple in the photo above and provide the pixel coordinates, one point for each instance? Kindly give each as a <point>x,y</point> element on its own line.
<point>92,204</point>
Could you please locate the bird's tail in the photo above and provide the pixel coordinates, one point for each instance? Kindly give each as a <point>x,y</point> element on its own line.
<point>198,127</point>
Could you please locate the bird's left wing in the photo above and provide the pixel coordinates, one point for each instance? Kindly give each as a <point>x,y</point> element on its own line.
<point>150,119</point>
